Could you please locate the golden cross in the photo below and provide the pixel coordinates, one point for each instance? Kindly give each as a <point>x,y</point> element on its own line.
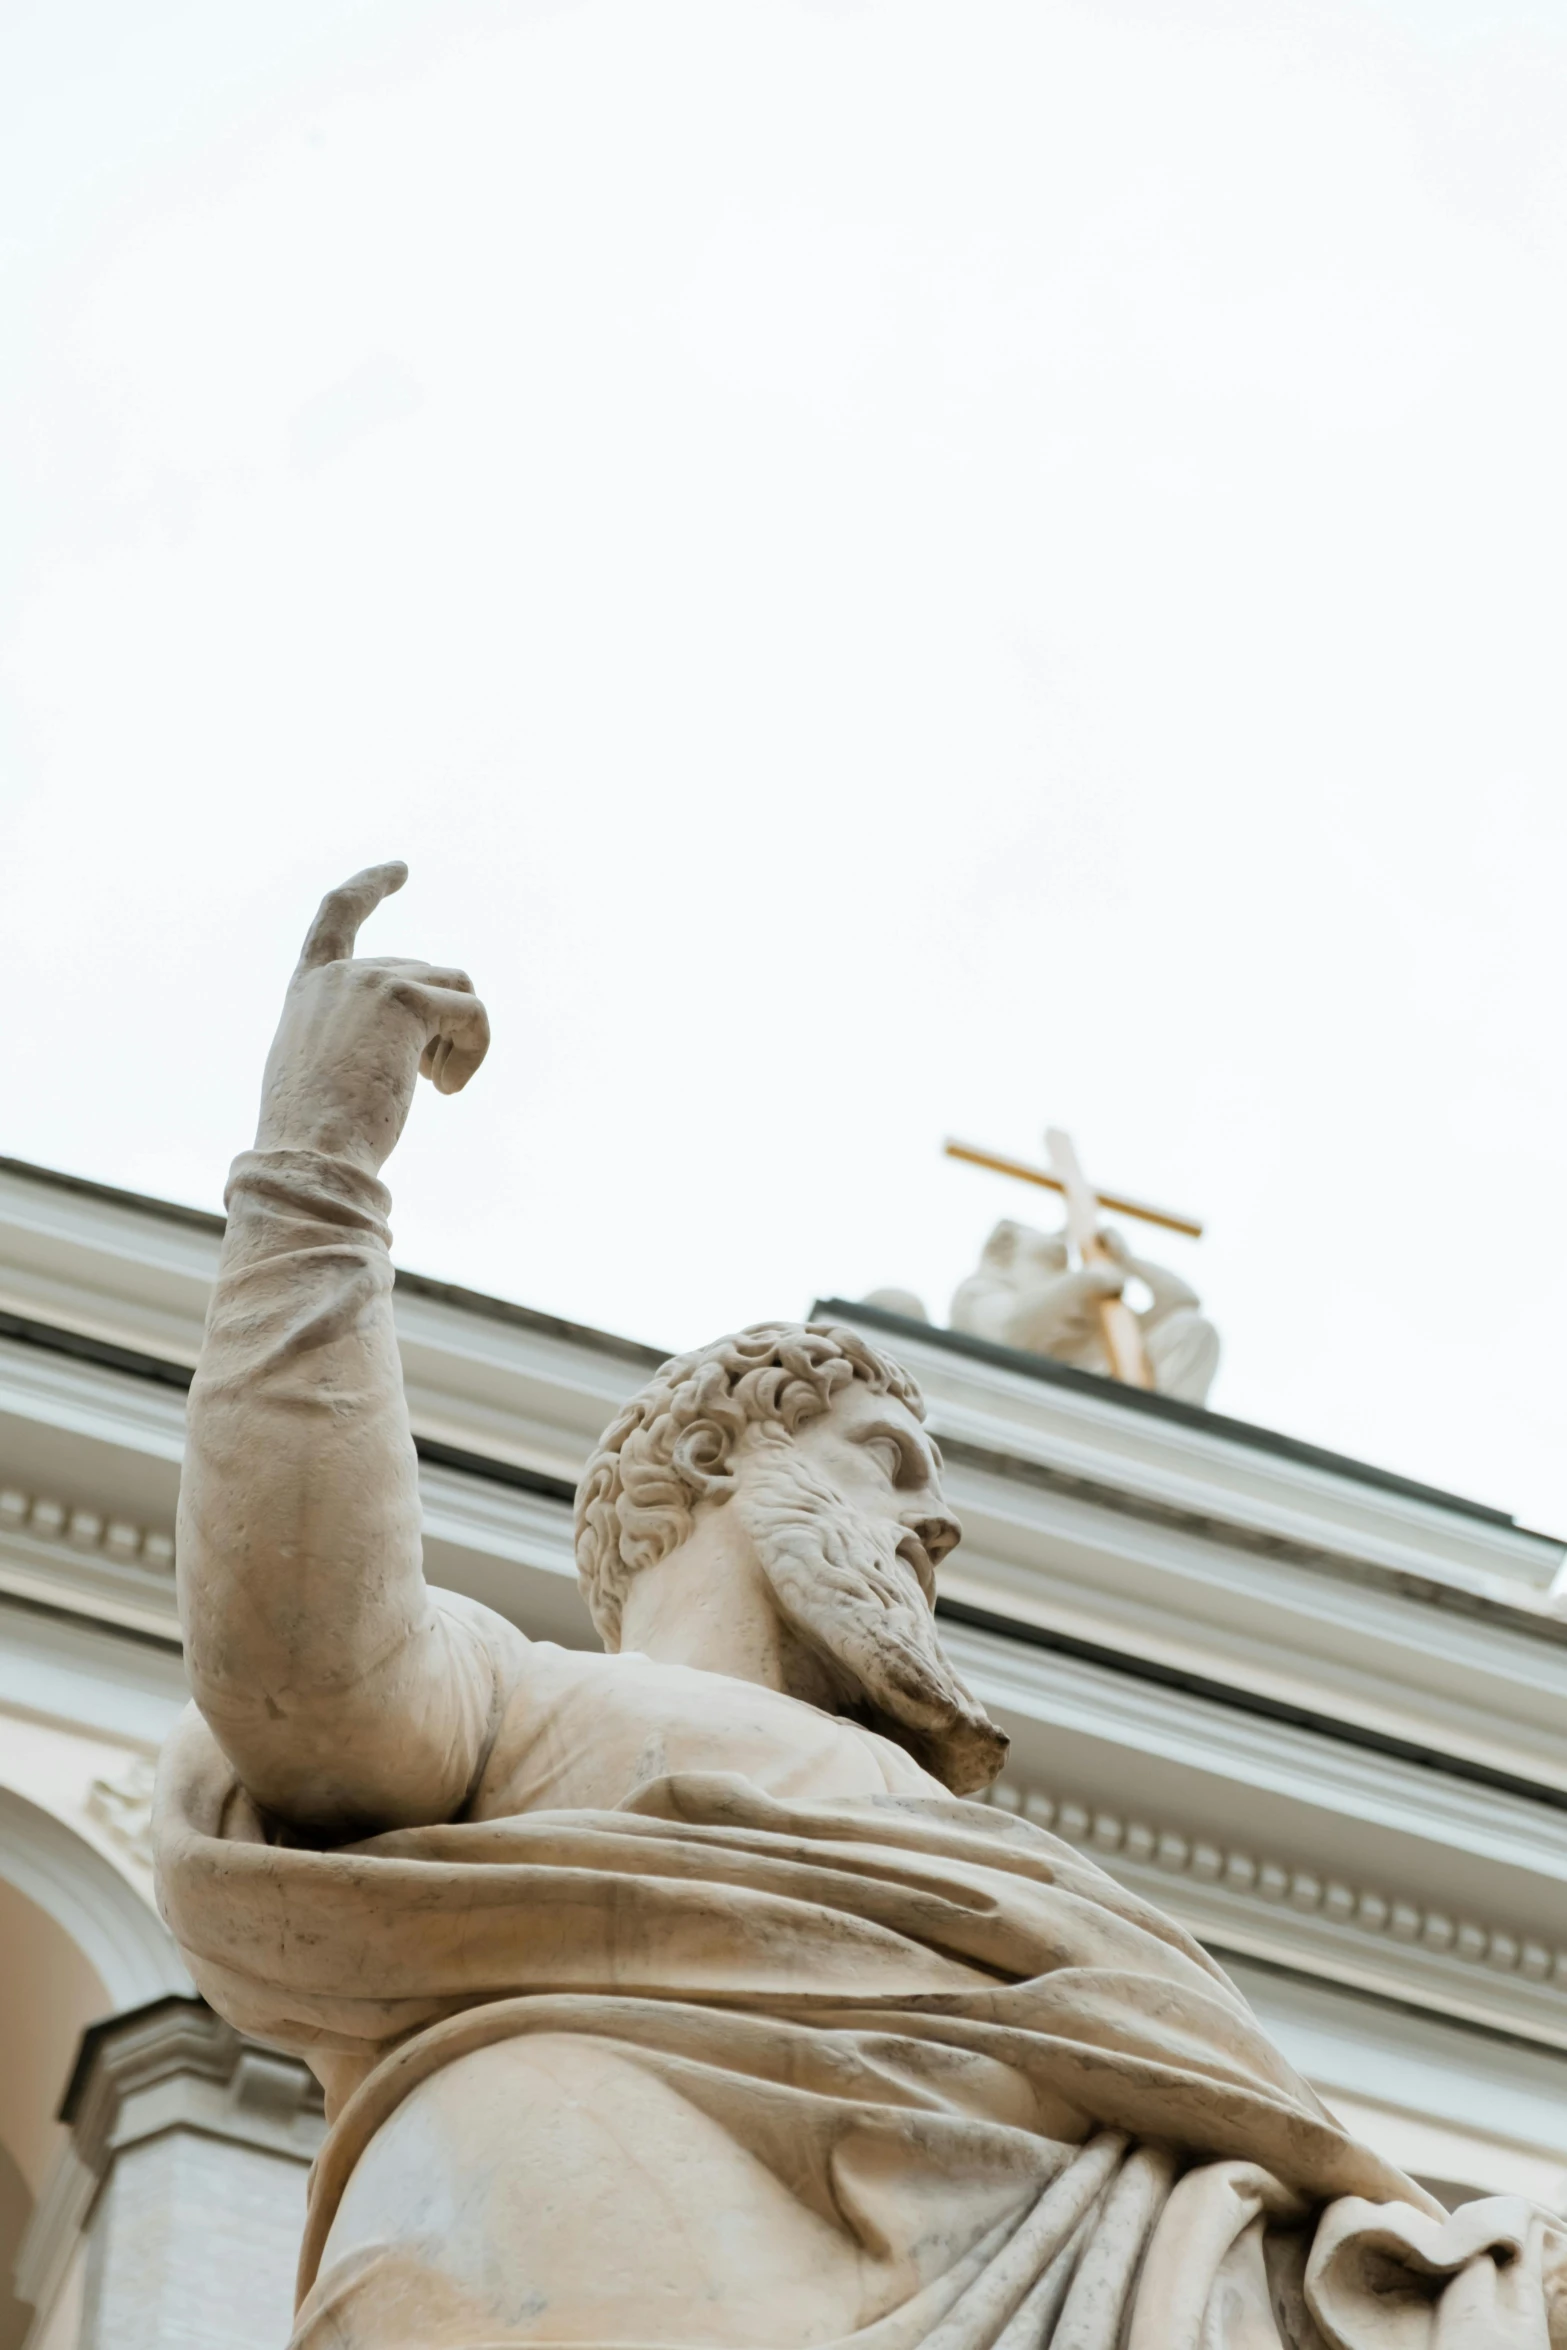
<point>1118,1325</point>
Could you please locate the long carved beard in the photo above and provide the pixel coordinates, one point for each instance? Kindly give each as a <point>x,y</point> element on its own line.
<point>841,1588</point>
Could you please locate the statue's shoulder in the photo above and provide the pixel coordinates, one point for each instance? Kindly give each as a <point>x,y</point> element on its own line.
<point>545,1676</point>
<point>509,1650</point>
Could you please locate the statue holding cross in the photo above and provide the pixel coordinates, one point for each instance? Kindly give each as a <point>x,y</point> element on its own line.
<point>1063,1293</point>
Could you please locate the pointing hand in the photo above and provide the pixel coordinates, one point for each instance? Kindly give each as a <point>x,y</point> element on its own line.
<point>356,1032</point>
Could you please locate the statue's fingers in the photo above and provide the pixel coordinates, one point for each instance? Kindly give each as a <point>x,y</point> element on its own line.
<point>437,1057</point>
<point>433,1060</point>
<point>332,934</point>
<point>1093,1281</point>
<point>457,1029</point>
<point>465,1049</point>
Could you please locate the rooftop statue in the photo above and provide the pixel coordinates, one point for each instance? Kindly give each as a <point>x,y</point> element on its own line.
<point>685,1995</point>
<point>1026,1292</point>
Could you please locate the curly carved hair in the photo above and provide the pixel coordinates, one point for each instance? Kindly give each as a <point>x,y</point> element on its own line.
<point>671,1446</point>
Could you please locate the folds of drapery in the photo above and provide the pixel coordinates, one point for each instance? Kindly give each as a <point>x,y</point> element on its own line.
<point>945,1980</point>
<point>704,1890</point>
<point>1114,2252</point>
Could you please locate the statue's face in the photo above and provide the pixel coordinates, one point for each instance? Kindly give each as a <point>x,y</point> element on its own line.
<point>1000,1249</point>
<point>883,1466</point>
<point>1043,1255</point>
<point>849,1525</point>
<point>1023,1254</point>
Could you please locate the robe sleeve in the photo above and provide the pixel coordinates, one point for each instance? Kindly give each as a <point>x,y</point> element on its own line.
<point>347,1696</point>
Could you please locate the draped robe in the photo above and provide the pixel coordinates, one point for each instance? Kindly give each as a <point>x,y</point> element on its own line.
<point>714,2024</point>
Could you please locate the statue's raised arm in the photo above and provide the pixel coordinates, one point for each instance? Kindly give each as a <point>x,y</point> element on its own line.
<point>344,1695</point>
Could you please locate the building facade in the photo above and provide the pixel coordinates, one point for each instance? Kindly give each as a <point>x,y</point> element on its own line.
<point>1315,1711</point>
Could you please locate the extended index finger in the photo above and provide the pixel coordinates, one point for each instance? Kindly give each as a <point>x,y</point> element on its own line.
<point>332,934</point>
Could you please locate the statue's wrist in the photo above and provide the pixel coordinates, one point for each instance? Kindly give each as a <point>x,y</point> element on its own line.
<point>318,1186</point>
<point>322,1138</point>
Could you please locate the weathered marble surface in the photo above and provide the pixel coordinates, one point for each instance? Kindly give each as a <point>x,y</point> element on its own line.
<point>680,1995</point>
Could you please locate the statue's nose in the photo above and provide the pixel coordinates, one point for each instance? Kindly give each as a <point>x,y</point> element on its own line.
<point>937,1532</point>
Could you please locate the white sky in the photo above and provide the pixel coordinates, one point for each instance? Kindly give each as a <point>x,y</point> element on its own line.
<point>934,565</point>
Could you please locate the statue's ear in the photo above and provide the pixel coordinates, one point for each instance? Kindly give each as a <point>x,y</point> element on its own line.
<point>703,1460</point>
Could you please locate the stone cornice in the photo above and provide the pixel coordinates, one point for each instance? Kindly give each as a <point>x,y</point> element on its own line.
<point>1514,1602</point>
<point>112,2100</point>
<point>88,1532</point>
<point>1259,1905</point>
<point>169,2065</point>
<point>87,1562</point>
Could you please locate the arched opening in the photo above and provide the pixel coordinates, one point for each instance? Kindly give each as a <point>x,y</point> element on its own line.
<point>49,1994</point>
<point>78,1943</point>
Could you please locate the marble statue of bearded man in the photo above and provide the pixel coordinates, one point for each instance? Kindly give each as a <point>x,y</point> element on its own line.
<point>683,1996</point>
